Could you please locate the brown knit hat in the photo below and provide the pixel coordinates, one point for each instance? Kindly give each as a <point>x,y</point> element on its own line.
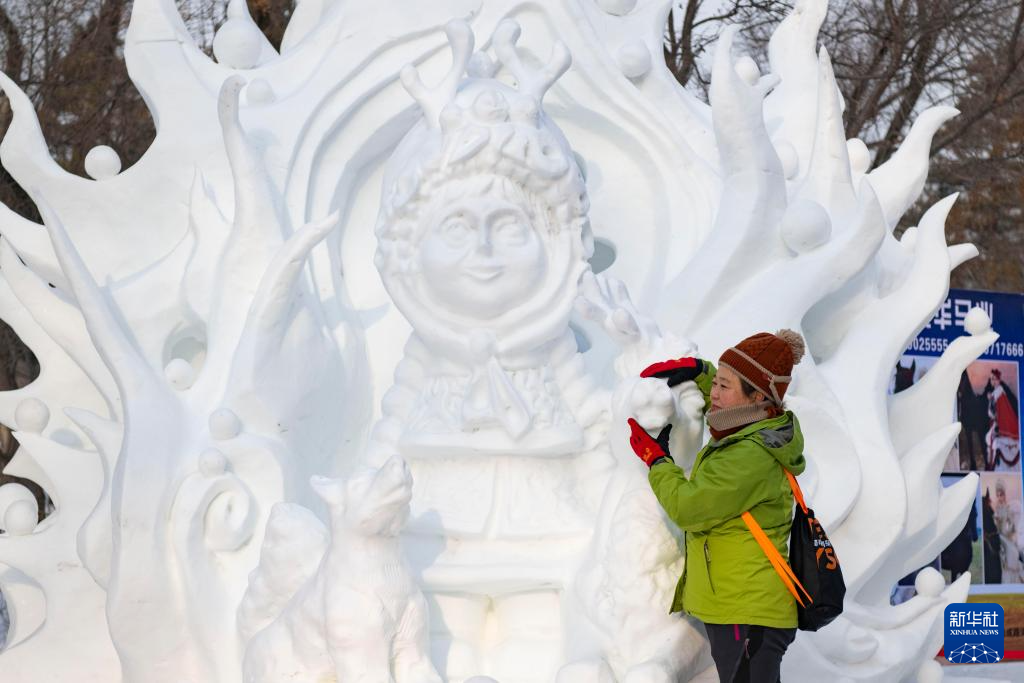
<point>766,361</point>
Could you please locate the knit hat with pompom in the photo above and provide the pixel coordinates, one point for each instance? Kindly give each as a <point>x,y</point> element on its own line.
<point>766,361</point>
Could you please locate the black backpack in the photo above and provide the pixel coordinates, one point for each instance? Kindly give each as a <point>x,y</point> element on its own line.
<point>812,575</point>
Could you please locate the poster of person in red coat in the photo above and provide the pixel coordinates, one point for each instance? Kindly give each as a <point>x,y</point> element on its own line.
<point>1003,437</point>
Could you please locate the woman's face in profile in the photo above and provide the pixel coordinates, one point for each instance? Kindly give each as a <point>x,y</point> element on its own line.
<point>727,391</point>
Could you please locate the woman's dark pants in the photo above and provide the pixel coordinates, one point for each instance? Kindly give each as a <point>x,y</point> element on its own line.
<point>748,654</point>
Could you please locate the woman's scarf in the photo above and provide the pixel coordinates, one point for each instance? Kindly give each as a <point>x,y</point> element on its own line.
<point>726,421</point>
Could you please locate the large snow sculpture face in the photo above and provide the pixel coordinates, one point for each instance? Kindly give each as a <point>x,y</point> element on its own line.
<point>483,224</point>
<point>481,254</point>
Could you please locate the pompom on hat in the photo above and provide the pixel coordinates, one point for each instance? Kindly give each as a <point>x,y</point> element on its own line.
<point>766,361</point>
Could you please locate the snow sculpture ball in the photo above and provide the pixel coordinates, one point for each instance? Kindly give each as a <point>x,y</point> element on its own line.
<point>12,495</point>
<point>634,59</point>
<point>237,44</point>
<point>21,517</point>
<point>805,226</point>
<point>102,162</point>
<point>929,582</point>
<point>180,373</point>
<point>224,424</point>
<point>32,415</point>
<point>977,322</point>
<point>746,68</point>
<point>12,492</point>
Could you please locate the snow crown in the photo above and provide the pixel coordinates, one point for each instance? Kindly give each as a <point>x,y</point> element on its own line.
<point>479,134</point>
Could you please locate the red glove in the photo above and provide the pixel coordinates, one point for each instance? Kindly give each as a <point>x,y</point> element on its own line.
<point>647,448</point>
<point>675,371</point>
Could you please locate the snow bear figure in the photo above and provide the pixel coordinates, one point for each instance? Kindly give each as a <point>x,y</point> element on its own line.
<point>360,618</point>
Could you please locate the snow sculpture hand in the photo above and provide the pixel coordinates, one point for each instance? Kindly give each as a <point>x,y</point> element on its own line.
<point>652,404</point>
<point>655,402</point>
<point>689,432</point>
<point>359,615</point>
<point>606,301</point>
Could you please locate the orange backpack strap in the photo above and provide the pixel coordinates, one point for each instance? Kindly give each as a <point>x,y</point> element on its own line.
<point>780,565</point>
<point>797,493</point>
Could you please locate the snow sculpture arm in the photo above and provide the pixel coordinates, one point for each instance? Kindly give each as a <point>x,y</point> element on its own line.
<point>606,301</point>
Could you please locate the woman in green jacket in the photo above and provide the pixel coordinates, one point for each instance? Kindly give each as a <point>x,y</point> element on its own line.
<point>728,582</point>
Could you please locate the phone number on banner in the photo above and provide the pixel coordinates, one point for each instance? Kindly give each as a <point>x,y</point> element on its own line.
<point>938,345</point>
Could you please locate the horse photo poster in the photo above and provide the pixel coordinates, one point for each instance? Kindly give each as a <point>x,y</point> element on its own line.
<point>991,544</point>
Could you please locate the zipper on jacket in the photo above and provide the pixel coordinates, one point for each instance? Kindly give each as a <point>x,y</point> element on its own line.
<point>707,565</point>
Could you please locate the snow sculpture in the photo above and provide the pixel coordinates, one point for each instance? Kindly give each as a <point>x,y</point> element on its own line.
<point>213,331</point>
<point>359,613</point>
<point>483,236</point>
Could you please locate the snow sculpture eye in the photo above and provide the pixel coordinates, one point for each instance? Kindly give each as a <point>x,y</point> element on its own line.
<point>510,231</point>
<point>456,231</point>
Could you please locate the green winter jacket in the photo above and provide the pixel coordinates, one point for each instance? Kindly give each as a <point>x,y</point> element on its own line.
<point>727,579</point>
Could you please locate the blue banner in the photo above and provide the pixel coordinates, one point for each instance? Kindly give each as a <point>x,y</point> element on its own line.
<point>1006,311</point>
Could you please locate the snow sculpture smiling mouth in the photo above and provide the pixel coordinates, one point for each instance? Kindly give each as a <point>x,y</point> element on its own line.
<point>249,352</point>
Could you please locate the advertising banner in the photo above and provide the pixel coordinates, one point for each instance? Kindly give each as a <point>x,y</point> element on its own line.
<point>991,544</point>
